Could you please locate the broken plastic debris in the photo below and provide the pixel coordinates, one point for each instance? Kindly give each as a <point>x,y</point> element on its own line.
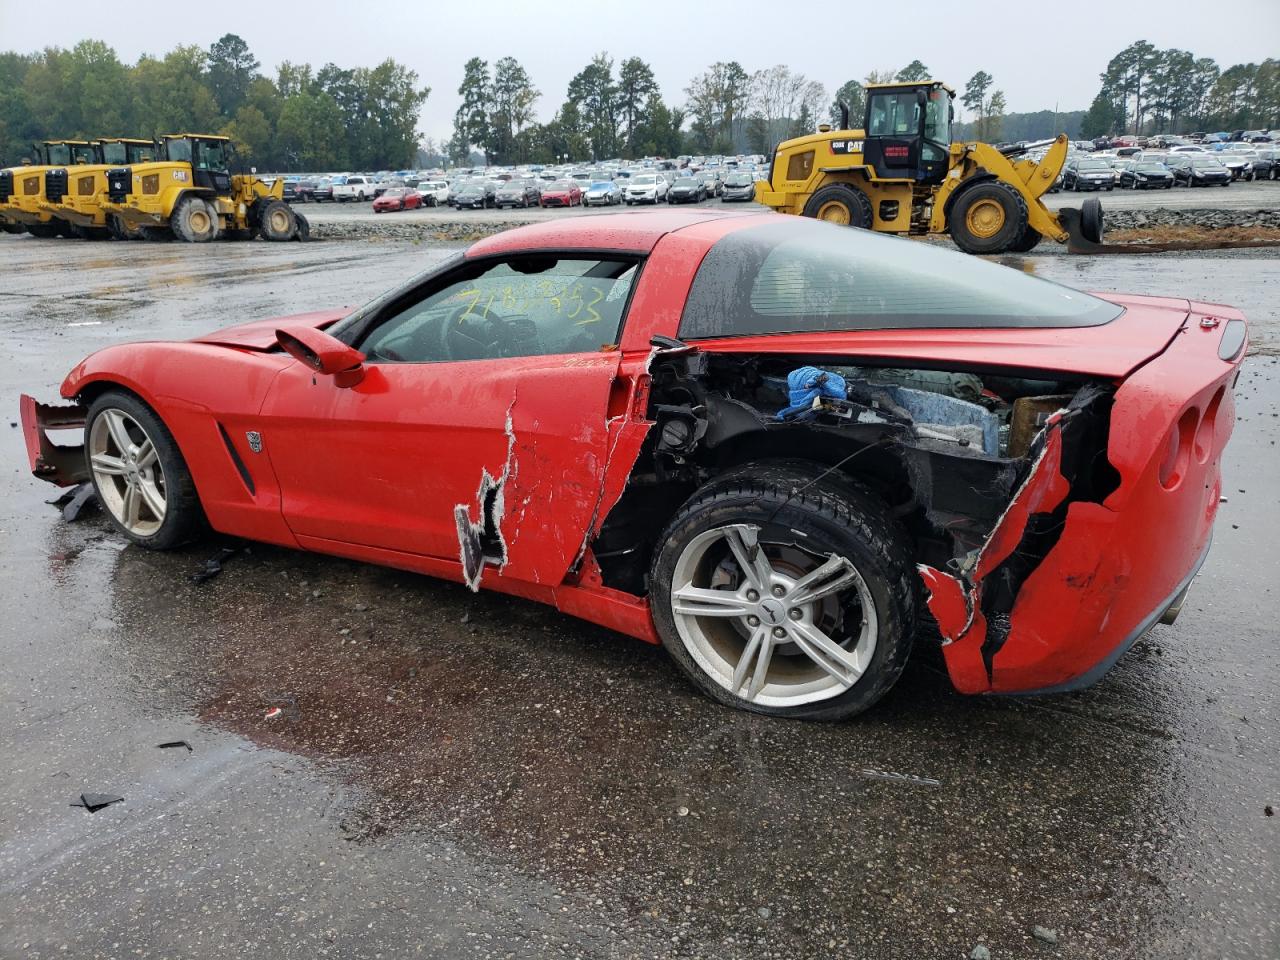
<point>274,712</point>
<point>213,566</point>
<point>872,774</point>
<point>93,802</point>
<point>74,500</point>
<point>175,743</point>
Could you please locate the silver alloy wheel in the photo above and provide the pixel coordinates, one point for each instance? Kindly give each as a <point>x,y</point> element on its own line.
<point>127,472</point>
<point>758,617</point>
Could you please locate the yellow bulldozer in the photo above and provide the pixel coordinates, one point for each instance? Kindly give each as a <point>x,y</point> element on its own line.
<point>901,173</point>
<point>189,191</point>
<point>75,194</point>
<point>22,188</point>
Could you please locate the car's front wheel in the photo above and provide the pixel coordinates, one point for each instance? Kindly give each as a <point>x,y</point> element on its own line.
<point>783,592</point>
<point>139,473</point>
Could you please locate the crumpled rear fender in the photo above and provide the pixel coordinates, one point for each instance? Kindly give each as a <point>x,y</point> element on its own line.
<point>1116,566</point>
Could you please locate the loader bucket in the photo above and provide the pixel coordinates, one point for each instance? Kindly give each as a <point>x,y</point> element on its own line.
<point>1084,228</point>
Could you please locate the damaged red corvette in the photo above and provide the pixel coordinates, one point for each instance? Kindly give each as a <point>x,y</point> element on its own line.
<point>774,445</point>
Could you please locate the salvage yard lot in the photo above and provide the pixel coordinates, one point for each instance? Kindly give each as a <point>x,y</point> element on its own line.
<point>457,774</point>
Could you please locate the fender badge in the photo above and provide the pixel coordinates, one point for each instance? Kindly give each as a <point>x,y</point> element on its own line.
<point>255,440</point>
<point>1208,323</point>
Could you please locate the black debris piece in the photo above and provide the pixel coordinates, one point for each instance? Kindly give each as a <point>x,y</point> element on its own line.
<point>93,802</point>
<point>213,566</point>
<point>75,499</point>
<point>175,743</point>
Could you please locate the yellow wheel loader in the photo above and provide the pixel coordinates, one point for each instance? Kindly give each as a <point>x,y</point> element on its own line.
<point>902,174</point>
<point>22,188</point>
<point>189,193</point>
<point>75,194</point>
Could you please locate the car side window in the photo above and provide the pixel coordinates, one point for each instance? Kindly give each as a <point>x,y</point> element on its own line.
<point>520,307</point>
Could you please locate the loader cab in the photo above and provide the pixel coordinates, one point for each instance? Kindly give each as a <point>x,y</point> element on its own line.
<point>66,153</point>
<point>908,130</point>
<point>209,156</point>
<point>124,152</point>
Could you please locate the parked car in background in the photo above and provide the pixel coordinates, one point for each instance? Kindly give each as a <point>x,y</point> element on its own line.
<point>1146,175</point>
<point>687,190</point>
<point>382,186</point>
<point>1088,174</point>
<point>1239,163</point>
<point>712,182</point>
<point>354,187</point>
<point>1198,170</point>
<point>646,188</point>
<point>290,191</point>
<point>518,193</point>
<point>435,193</point>
<point>602,193</point>
<point>1267,164</point>
<point>397,198</point>
<point>323,190</point>
<point>475,195</point>
<point>738,186</point>
<point>561,193</point>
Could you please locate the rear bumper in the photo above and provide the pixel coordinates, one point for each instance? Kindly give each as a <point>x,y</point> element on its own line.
<point>63,466</point>
<point>1119,565</point>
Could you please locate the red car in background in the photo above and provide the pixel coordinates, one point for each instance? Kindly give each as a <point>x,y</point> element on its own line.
<point>768,443</point>
<point>561,193</point>
<point>397,198</point>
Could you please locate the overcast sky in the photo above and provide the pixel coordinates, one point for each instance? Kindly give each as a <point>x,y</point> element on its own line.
<point>827,41</point>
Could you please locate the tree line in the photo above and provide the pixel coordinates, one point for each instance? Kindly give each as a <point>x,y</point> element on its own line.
<point>1146,90</point>
<point>365,118</point>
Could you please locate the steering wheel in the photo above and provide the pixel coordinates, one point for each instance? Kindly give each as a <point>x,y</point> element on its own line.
<point>467,335</point>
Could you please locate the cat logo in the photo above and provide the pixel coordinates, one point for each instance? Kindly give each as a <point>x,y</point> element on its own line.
<point>255,440</point>
<point>180,175</point>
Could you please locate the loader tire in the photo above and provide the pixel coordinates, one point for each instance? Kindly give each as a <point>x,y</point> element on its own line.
<point>45,231</point>
<point>277,221</point>
<point>121,230</point>
<point>842,204</point>
<point>156,234</point>
<point>193,222</point>
<point>989,217</point>
<point>304,228</point>
<point>1029,240</point>
<point>1091,220</point>
<point>14,228</point>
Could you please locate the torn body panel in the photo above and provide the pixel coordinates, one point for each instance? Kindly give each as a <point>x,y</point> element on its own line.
<point>59,464</point>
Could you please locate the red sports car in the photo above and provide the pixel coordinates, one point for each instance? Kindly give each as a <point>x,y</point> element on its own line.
<point>397,198</point>
<point>766,442</point>
<point>561,193</point>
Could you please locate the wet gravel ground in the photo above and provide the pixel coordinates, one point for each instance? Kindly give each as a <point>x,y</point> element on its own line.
<point>459,775</point>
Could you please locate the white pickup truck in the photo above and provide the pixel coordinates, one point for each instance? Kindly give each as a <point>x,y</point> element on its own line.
<point>354,187</point>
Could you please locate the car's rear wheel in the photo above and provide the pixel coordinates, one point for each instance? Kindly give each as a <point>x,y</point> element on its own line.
<point>784,593</point>
<point>139,474</point>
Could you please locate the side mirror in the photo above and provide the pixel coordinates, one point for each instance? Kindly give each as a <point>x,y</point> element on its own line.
<point>323,354</point>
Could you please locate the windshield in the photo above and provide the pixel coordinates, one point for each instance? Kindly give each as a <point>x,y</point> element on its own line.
<point>686,182</point>
<point>1205,162</point>
<point>395,192</point>
<point>179,151</point>
<point>114,153</point>
<point>1150,168</point>
<point>937,116</point>
<point>601,184</point>
<point>1093,166</point>
<point>737,180</point>
<point>646,178</point>
<point>59,154</point>
<point>803,275</point>
<point>563,185</point>
<point>894,115</point>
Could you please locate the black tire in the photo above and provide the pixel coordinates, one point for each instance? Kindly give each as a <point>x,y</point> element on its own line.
<point>192,221</point>
<point>1091,226</point>
<point>14,228</point>
<point>1011,229</point>
<point>276,221</point>
<point>844,201</point>
<point>45,231</point>
<point>184,518</point>
<point>157,234</point>
<point>1029,240</point>
<point>303,233</point>
<point>90,233</point>
<point>835,517</point>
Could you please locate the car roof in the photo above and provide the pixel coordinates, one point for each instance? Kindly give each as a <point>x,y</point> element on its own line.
<point>630,232</point>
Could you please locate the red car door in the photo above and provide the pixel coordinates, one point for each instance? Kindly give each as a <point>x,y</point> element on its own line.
<point>479,427</point>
